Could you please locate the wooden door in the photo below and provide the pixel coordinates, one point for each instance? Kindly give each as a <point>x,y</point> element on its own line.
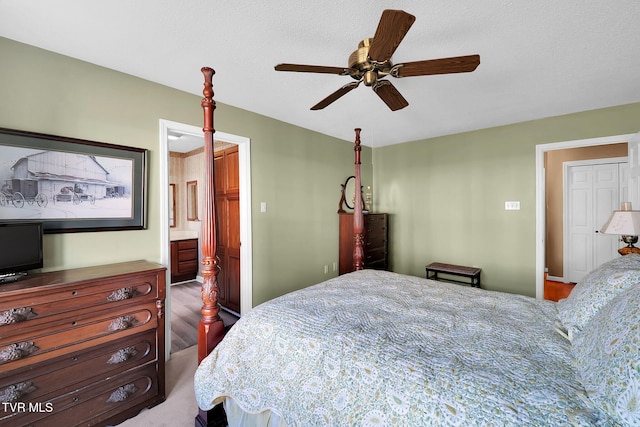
<point>227,178</point>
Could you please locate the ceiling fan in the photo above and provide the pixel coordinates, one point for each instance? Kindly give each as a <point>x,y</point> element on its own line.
<point>372,62</point>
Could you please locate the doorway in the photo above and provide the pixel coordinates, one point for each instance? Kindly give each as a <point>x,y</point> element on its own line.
<point>541,226</point>
<point>244,173</point>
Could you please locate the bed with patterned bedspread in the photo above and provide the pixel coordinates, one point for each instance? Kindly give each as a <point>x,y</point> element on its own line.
<point>374,348</point>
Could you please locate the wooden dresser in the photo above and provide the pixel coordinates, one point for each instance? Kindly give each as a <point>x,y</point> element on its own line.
<point>375,232</point>
<point>82,346</point>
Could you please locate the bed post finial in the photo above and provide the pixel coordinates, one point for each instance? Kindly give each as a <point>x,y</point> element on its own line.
<point>358,220</point>
<point>208,104</point>
<point>210,328</point>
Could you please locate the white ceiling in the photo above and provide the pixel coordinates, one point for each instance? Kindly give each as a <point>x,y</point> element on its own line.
<point>538,58</point>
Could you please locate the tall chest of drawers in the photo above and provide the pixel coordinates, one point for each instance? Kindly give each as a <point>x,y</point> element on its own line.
<point>82,346</point>
<point>375,233</point>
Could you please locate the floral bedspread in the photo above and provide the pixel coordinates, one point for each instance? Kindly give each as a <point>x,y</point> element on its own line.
<point>374,348</point>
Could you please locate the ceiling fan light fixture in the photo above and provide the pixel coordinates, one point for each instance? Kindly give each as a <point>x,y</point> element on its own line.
<point>370,78</point>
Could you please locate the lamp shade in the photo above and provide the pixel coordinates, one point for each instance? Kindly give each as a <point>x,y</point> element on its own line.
<point>626,223</point>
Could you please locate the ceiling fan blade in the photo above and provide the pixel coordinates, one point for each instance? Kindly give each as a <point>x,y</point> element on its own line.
<point>392,28</point>
<point>390,95</point>
<point>457,64</point>
<point>335,95</point>
<point>313,69</point>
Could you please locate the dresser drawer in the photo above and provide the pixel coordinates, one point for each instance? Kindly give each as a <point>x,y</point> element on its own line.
<point>95,403</point>
<point>34,310</point>
<point>375,258</point>
<point>375,240</point>
<point>44,381</point>
<point>67,335</point>
<point>375,221</point>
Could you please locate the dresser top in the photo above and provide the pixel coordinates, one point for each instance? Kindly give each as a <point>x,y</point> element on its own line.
<point>74,275</point>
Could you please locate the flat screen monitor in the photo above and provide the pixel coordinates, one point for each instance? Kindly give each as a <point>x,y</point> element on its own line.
<point>20,249</point>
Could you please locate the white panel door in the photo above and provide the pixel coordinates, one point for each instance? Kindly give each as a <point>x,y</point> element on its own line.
<point>606,185</point>
<point>580,222</point>
<point>593,192</point>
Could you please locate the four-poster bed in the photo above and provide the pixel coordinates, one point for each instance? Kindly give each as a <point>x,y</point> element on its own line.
<point>378,348</point>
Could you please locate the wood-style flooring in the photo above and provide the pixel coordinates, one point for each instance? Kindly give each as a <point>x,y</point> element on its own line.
<point>185,315</point>
<point>555,291</point>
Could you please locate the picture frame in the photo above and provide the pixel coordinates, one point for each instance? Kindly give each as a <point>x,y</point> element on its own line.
<point>71,185</point>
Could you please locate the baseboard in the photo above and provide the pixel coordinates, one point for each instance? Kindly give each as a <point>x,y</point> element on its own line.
<point>228,310</point>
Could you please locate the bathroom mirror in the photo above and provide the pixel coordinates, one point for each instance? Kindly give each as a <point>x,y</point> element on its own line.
<point>172,205</point>
<point>192,200</point>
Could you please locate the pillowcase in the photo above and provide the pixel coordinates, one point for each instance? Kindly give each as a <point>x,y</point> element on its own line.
<point>607,354</point>
<point>595,290</point>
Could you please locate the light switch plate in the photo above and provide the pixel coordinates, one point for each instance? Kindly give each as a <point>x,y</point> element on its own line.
<point>512,206</point>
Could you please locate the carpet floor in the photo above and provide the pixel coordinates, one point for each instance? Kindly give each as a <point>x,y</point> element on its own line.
<point>180,408</point>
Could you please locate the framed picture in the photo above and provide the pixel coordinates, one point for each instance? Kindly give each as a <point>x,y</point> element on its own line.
<point>71,185</point>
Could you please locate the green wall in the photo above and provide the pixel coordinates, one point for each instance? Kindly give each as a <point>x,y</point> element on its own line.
<point>446,195</point>
<point>296,171</point>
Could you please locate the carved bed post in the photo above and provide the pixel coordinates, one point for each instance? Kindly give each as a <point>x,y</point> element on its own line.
<point>358,220</point>
<point>211,328</point>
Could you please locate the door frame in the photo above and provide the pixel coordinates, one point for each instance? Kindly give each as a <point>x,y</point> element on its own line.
<point>246,258</point>
<point>541,149</point>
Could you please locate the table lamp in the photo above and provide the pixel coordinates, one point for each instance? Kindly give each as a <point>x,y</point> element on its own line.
<point>626,223</point>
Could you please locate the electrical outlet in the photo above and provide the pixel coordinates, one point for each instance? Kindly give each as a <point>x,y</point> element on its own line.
<point>263,206</point>
<point>335,266</point>
<point>512,206</point>
<point>326,269</point>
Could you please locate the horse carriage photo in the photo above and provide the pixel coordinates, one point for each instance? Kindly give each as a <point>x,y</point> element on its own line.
<point>19,191</point>
<point>60,184</point>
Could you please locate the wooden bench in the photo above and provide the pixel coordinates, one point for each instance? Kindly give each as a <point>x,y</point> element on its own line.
<point>471,273</point>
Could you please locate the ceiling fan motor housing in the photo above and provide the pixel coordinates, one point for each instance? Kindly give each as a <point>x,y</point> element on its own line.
<point>365,69</point>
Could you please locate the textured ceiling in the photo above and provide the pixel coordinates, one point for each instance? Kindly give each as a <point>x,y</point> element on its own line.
<point>538,58</point>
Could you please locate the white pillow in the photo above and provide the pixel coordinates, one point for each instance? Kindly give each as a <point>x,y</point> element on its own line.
<point>597,289</point>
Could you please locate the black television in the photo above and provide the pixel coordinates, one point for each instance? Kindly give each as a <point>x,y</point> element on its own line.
<point>20,249</point>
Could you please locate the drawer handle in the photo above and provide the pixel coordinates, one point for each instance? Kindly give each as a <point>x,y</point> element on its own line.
<point>160,307</point>
<point>122,393</point>
<point>122,355</point>
<point>17,351</point>
<point>122,294</point>
<point>16,391</point>
<point>16,315</point>
<point>122,322</point>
